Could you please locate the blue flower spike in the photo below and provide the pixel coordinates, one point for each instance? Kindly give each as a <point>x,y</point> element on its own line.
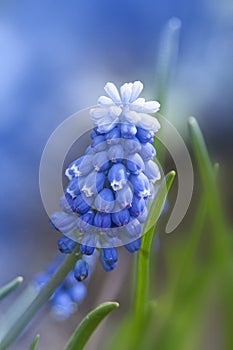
<point>111,186</point>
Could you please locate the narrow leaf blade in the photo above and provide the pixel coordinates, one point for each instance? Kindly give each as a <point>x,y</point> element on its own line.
<point>34,343</point>
<point>10,287</point>
<point>86,328</point>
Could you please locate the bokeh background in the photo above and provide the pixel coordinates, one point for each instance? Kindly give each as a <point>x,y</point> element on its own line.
<point>55,58</point>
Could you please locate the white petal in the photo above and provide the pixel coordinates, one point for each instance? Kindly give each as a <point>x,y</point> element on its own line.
<point>151,106</point>
<point>136,90</point>
<point>112,92</point>
<point>138,105</point>
<point>148,122</point>
<point>132,117</point>
<point>98,113</point>
<point>126,91</point>
<point>104,101</point>
<point>114,111</point>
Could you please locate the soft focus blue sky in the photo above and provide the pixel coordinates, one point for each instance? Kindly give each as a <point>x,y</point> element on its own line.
<point>55,59</point>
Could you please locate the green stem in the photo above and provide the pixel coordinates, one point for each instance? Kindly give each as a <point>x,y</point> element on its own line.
<point>11,331</point>
<point>141,298</point>
<point>10,287</point>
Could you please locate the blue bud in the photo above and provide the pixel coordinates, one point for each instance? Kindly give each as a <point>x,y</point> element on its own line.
<point>128,130</point>
<point>85,221</point>
<point>143,217</point>
<point>93,183</point>
<point>102,220</point>
<point>132,146</point>
<point>88,244</point>
<point>147,151</point>
<point>135,163</point>
<point>113,136</point>
<point>134,228</point>
<point>83,165</point>
<point>106,266</point>
<point>109,256</point>
<point>124,197</point>
<point>63,222</point>
<point>117,176</point>
<point>93,134</point>
<point>81,270</point>
<point>116,153</point>
<point>66,245</point>
<point>145,135</point>
<point>152,171</point>
<point>121,218</point>
<point>74,186</point>
<point>89,150</point>
<point>72,168</point>
<point>138,206</point>
<point>64,204</point>
<point>104,201</point>
<point>140,184</point>
<point>100,161</point>
<point>99,143</point>
<point>133,246</point>
<point>82,204</point>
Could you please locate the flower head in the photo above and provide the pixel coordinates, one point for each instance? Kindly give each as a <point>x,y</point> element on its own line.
<point>110,188</point>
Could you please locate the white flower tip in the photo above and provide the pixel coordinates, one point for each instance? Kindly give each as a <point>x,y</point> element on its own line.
<point>112,92</point>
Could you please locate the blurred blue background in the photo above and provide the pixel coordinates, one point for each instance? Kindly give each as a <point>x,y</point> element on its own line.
<point>55,58</point>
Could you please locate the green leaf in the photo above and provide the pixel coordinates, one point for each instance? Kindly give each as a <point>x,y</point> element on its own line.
<point>86,328</point>
<point>18,318</point>
<point>10,287</point>
<point>35,341</point>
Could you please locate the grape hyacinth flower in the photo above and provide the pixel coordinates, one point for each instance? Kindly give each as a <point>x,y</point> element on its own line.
<point>110,189</point>
<point>69,294</point>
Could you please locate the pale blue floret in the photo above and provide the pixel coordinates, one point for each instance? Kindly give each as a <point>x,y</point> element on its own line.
<point>63,222</point>
<point>128,130</point>
<point>124,197</point>
<point>121,218</point>
<point>64,205</point>
<point>88,244</point>
<point>138,206</point>
<point>72,168</point>
<point>82,204</point>
<point>84,166</point>
<point>147,151</point>
<point>117,176</point>
<point>132,146</point>
<point>85,221</point>
<point>102,220</point>
<point>75,186</point>
<point>113,136</point>
<point>152,171</point>
<point>145,136</point>
<point>143,217</point>
<point>104,201</point>
<point>134,228</point>
<point>93,183</point>
<point>133,246</point>
<point>140,184</point>
<point>116,153</point>
<point>100,161</point>
<point>99,143</point>
<point>135,163</point>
